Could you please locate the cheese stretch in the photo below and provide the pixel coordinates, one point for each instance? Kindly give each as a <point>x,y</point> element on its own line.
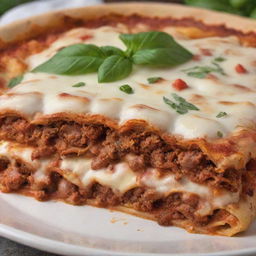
<point>231,92</point>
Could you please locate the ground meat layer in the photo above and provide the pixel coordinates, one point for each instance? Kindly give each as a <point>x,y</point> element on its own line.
<point>16,177</point>
<point>139,147</point>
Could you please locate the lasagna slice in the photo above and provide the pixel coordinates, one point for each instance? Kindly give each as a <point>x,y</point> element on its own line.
<point>175,144</point>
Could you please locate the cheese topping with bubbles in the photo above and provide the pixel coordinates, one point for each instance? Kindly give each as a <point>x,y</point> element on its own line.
<point>232,92</point>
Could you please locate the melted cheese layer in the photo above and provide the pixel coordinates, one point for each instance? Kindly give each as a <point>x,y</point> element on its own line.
<point>13,151</point>
<point>233,92</point>
<point>120,178</point>
<point>78,170</point>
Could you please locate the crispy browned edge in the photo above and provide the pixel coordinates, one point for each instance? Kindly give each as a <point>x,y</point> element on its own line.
<point>157,16</point>
<point>200,22</point>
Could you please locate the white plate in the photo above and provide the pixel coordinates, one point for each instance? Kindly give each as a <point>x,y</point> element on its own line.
<point>84,230</point>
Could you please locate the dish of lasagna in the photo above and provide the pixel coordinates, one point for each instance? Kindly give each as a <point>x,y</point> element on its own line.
<point>150,115</point>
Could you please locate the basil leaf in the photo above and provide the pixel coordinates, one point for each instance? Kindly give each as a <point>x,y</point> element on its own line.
<point>76,59</point>
<point>152,80</point>
<point>152,48</point>
<point>162,57</point>
<point>126,88</point>
<point>182,107</point>
<point>219,59</point>
<point>147,40</point>
<point>80,84</point>
<point>179,109</point>
<point>221,114</point>
<point>114,68</point>
<point>184,103</point>
<point>111,50</point>
<point>15,81</point>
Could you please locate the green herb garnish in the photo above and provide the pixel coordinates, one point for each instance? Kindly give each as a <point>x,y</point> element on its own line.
<point>218,69</point>
<point>126,88</point>
<point>181,105</point>
<point>154,48</point>
<point>203,71</point>
<point>219,59</point>
<point>15,81</point>
<point>80,84</point>
<point>221,114</point>
<point>111,50</point>
<point>149,40</point>
<point>162,57</point>
<point>114,68</point>
<point>153,80</point>
<point>219,134</point>
<point>76,59</point>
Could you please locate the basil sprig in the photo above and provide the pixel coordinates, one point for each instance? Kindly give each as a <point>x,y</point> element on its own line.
<point>181,106</point>
<point>154,48</point>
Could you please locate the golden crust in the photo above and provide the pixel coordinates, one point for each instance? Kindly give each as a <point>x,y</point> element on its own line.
<point>55,19</point>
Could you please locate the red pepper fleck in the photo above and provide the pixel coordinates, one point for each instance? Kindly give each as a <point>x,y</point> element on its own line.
<point>206,52</point>
<point>179,85</point>
<point>86,37</point>
<point>240,69</point>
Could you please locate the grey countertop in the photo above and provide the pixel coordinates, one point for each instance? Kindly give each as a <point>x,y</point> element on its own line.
<point>10,248</point>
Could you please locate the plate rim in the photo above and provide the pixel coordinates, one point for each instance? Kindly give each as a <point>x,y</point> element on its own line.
<point>25,28</point>
<point>61,248</point>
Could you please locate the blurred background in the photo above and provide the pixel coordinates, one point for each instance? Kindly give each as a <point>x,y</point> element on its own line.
<point>239,7</point>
